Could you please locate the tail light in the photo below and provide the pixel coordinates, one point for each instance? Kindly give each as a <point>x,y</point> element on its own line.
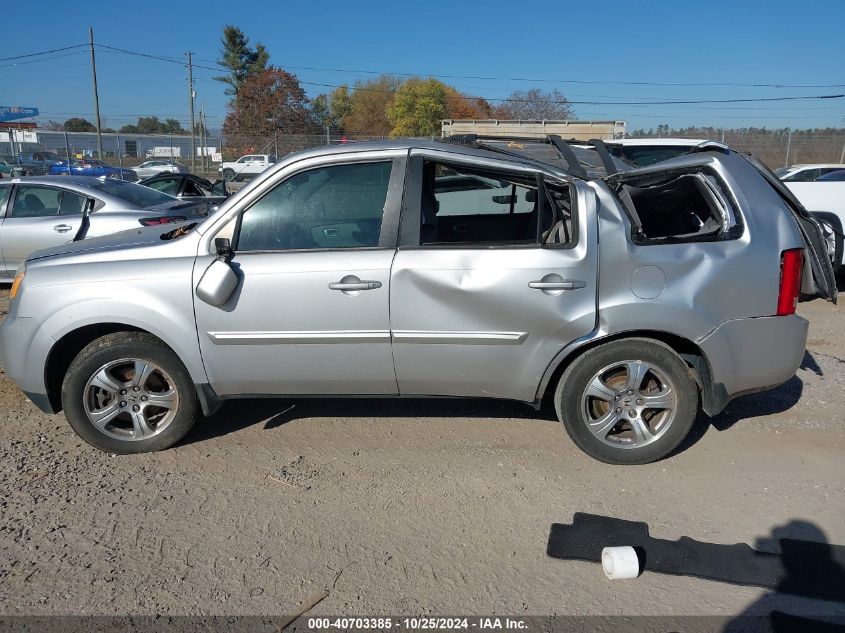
<point>163,219</point>
<point>791,267</point>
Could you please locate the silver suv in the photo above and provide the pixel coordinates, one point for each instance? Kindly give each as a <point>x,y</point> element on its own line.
<point>417,268</point>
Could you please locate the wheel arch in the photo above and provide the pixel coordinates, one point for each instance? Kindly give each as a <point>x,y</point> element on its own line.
<point>713,399</point>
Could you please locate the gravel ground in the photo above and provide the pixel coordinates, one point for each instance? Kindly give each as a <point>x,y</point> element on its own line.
<point>406,507</point>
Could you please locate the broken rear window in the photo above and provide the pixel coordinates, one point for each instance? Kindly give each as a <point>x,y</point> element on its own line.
<point>678,206</point>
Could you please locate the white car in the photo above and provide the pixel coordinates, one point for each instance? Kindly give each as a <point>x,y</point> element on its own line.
<point>155,167</point>
<point>806,173</point>
<point>246,167</point>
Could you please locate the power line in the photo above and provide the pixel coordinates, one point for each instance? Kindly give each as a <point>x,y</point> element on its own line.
<point>512,100</point>
<point>42,59</point>
<point>561,81</point>
<point>54,50</point>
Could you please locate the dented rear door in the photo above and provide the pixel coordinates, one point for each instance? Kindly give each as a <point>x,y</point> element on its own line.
<point>486,321</point>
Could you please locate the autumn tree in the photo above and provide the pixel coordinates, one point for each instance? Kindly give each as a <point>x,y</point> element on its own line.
<point>535,105</point>
<point>418,107</point>
<point>242,60</point>
<point>461,106</point>
<point>367,107</point>
<point>268,102</point>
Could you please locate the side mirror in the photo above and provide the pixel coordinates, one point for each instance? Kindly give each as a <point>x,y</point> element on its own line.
<point>217,283</point>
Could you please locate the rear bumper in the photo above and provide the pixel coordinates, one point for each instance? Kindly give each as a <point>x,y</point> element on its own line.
<point>747,355</point>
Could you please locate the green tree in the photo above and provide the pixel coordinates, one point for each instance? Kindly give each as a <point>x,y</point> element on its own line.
<point>79,125</point>
<point>242,60</point>
<point>367,106</point>
<point>330,109</point>
<point>418,107</point>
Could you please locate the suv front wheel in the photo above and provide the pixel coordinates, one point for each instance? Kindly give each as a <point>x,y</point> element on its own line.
<point>630,401</point>
<point>129,393</point>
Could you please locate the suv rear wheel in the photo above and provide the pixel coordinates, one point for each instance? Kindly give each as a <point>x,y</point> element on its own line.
<point>129,393</point>
<point>630,401</point>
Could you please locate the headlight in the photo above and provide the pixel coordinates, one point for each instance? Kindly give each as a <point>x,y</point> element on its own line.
<point>18,280</point>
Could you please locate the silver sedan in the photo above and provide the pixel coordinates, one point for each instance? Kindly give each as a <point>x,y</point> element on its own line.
<point>43,211</point>
<point>155,167</point>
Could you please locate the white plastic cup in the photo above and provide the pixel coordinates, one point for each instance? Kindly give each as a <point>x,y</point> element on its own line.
<point>620,563</point>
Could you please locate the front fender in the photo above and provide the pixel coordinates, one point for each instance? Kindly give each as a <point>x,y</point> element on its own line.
<point>167,322</point>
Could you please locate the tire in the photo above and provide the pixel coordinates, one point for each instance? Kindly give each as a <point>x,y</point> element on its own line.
<point>137,413</point>
<point>658,405</point>
<point>228,175</point>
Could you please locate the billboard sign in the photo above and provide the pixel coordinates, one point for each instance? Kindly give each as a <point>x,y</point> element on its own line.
<point>13,113</point>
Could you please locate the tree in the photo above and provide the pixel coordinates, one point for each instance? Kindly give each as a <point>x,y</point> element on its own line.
<point>535,105</point>
<point>241,60</point>
<point>152,125</point>
<point>330,109</point>
<point>269,101</point>
<point>461,106</point>
<point>54,126</point>
<point>79,125</point>
<point>367,107</point>
<point>418,107</point>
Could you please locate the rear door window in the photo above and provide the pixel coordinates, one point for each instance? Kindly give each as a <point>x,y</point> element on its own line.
<point>36,202</point>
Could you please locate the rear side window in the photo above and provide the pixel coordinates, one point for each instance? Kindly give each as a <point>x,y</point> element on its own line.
<point>71,203</point>
<point>4,195</point>
<point>678,206</point>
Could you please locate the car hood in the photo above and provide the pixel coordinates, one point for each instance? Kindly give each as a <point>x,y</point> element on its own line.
<point>130,239</point>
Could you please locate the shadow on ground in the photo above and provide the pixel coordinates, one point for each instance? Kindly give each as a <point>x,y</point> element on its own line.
<point>272,413</point>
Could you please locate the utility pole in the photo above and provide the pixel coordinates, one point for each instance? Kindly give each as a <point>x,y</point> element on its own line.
<point>191,103</point>
<point>788,144</point>
<point>96,94</point>
<point>203,139</point>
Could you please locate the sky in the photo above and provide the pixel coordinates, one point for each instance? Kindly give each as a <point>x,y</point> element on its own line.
<point>590,51</point>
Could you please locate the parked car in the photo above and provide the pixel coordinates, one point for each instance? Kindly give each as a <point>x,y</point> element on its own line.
<point>154,167</point>
<point>642,152</point>
<point>832,176</point>
<point>246,167</point>
<point>189,186</point>
<point>806,173</point>
<point>40,158</point>
<point>8,164</point>
<point>625,301</point>
<point>39,212</point>
<point>95,168</point>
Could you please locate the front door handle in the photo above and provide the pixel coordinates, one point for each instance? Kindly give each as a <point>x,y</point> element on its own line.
<point>355,285</point>
<point>352,284</point>
<point>564,284</point>
<point>62,228</point>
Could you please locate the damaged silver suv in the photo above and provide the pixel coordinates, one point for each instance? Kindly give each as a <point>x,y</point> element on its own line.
<point>629,299</point>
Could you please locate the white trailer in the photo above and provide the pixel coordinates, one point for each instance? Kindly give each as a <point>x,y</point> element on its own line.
<point>578,130</point>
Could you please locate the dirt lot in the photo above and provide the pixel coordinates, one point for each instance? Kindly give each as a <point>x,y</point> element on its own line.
<point>421,506</point>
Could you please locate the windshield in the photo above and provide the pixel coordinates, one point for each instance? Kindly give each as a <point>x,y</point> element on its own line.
<point>780,172</point>
<point>136,194</point>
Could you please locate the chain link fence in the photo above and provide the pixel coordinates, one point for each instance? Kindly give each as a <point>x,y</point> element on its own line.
<point>127,150</point>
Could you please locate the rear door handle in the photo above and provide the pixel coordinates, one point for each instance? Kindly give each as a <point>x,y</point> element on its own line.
<point>557,285</point>
<point>62,228</point>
